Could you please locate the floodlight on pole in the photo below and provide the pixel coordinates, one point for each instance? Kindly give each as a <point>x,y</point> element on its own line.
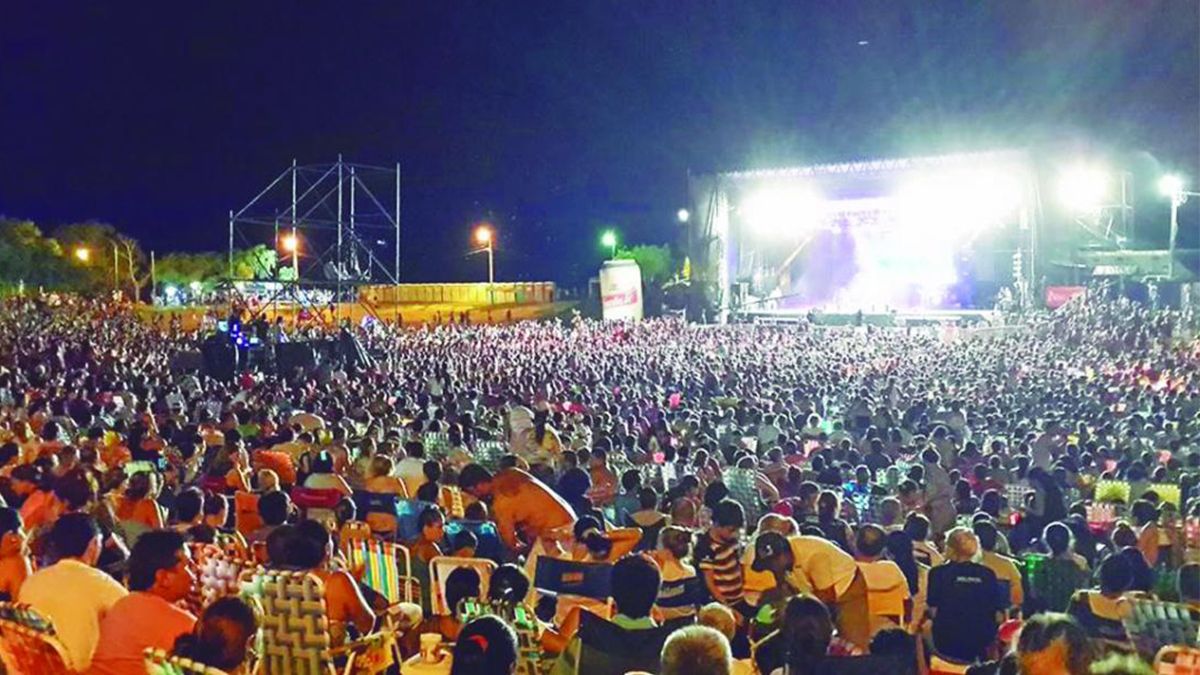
<point>1172,186</point>
<point>683,215</point>
<point>291,244</point>
<point>83,254</point>
<point>484,236</point>
<point>608,239</point>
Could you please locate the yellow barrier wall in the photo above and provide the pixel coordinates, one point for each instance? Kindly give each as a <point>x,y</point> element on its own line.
<point>514,293</point>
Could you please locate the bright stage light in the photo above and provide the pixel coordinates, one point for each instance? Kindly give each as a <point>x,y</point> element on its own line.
<point>779,212</point>
<point>683,216</point>
<point>1170,185</point>
<point>960,203</point>
<point>171,292</point>
<point>1083,188</point>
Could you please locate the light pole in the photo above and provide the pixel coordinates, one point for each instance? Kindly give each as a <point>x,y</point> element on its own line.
<point>609,238</point>
<point>1171,186</point>
<point>483,235</point>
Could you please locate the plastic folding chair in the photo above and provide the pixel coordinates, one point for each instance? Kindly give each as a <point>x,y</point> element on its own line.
<point>1153,624</point>
<point>441,566</point>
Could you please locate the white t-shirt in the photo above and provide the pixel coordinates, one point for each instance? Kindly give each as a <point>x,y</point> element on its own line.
<point>74,596</point>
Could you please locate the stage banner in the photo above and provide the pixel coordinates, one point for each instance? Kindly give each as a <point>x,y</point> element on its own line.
<point>1057,296</point>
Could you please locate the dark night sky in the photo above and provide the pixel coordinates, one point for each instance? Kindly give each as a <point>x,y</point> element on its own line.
<point>554,117</point>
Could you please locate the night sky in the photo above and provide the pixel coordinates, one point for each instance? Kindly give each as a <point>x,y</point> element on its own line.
<point>556,118</point>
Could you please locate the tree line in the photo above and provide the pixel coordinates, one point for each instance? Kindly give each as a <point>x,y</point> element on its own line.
<point>93,257</point>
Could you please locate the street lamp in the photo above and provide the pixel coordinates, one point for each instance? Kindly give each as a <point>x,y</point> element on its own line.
<point>83,254</point>
<point>683,215</point>
<point>291,244</point>
<point>609,238</point>
<point>483,235</point>
<point>1172,187</point>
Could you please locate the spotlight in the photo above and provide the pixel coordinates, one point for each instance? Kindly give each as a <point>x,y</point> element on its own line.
<point>683,215</point>
<point>779,212</point>
<point>1083,188</point>
<point>171,292</point>
<point>1170,185</point>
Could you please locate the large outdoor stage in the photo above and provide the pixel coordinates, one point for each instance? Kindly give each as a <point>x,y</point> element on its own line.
<point>910,235</point>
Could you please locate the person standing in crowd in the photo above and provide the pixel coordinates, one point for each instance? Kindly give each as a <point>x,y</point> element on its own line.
<point>526,511</point>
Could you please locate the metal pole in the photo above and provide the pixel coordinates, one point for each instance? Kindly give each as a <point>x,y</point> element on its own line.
<point>353,236</point>
<point>153,277</point>
<point>1176,200</point>
<point>340,260</point>
<point>396,269</point>
<point>230,262</point>
<point>296,239</point>
<point>116,267</point>
<point>491,265</point>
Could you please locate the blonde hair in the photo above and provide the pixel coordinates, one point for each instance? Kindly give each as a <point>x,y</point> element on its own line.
<point>268,480</point>
<point>381,465</point>
<point>718,616</point>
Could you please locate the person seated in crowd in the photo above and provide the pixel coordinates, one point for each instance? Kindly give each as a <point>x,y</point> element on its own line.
<point>1145,519</point>
<point>722,619</point>
<point>72,593</point>
<point>1188,584</point>
<point>308,547</point>
<point>15,564</point>
<point>1054,644</point>
<point>696,650</point>
<point>380,480</point>
<point>964,601</point>
<point>160,575</point>
<point>808,637</point>
<point>485,646</point>
<point>274,509</point>
<point>888,597</point>
<point>635,584</point>
<point>717,553</point>
<point>138,503</point>
<point>1124,543</point>
<point>678,575</point>
<point>462,583</point>
<point>431,526</point>
<point>189,509</point>
<point>222,637</point>
<point>916,526</point>
<point>1003,567</point>
<point>1100,611</point>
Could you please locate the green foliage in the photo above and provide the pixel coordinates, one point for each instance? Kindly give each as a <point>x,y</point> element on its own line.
<point>655,261</point>
<point>257,262</point>
<point>181,269</point>
<point>28,255</point>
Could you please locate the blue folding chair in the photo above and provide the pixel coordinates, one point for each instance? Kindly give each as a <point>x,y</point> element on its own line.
<point>489,545</point>
<point>407,513</point>
<point>555,577</point>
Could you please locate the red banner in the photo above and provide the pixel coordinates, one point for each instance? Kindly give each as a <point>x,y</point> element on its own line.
<point>1057,296</point>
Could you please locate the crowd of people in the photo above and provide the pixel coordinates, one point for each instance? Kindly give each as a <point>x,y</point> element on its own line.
<point>771,499</point>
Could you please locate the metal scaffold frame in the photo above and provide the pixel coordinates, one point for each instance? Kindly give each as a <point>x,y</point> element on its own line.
<point>343,247</point>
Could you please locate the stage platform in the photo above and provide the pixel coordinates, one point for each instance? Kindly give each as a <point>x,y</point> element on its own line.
<point>925,317</point>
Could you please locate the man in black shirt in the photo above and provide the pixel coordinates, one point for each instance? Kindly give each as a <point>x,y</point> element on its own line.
<point>964,601</point>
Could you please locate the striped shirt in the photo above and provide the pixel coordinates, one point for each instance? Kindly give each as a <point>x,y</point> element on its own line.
<point>723,561</point>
